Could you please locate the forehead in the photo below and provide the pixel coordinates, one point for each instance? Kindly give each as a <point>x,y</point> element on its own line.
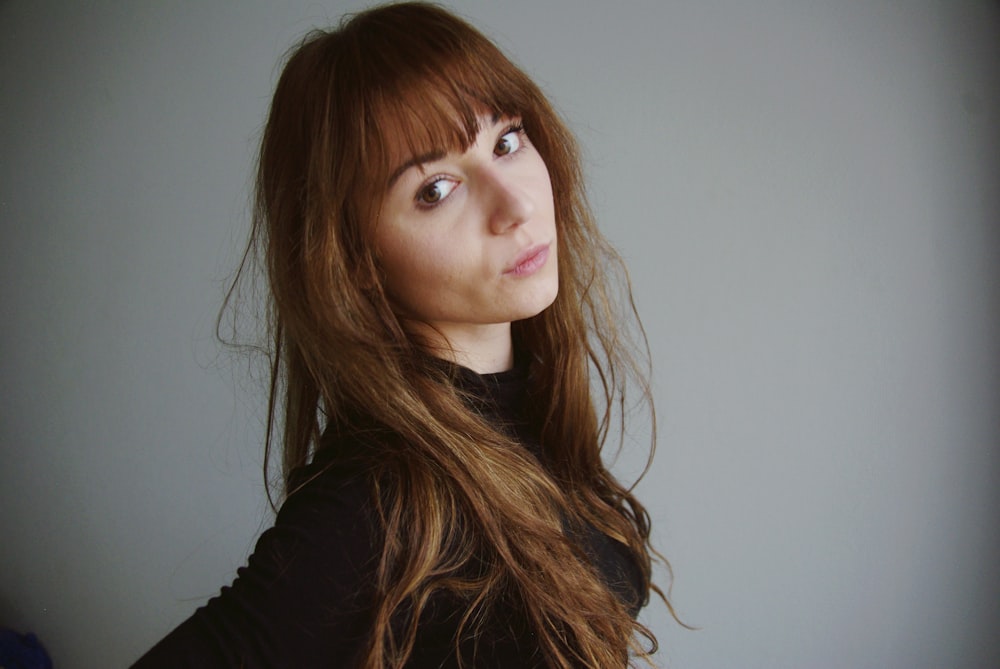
<point>412,135</point>
<point>403,152</point>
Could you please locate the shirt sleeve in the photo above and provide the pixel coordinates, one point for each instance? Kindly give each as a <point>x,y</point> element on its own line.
<point>304,598</point>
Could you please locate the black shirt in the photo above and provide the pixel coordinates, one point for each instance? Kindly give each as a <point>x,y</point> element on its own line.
<point>305,597</point>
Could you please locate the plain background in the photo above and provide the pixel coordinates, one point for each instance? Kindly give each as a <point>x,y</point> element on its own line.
<point>806,193</point>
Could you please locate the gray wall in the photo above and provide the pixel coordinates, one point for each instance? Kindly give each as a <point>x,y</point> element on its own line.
<point>806,193</point>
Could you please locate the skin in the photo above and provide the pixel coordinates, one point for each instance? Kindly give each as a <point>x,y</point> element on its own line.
<point>467,244</point>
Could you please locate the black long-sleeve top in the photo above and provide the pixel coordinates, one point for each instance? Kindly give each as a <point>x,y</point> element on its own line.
<point>305,598</point>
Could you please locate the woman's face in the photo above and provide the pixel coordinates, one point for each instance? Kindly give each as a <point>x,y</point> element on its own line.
<point>467,241</point>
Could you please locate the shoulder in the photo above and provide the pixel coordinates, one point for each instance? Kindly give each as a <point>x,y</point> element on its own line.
<point>305,593</point>
<point>330,516</point>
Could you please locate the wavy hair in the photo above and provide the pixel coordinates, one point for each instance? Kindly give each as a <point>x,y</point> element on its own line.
<point>450,489</point>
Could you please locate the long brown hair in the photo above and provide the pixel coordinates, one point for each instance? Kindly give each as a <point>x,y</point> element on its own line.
<point>449,487</point>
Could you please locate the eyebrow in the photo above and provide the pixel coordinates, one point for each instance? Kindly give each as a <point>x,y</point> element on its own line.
<point>414,162</point>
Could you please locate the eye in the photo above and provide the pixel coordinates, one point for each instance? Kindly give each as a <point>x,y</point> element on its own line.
<point>509,142</point>
<point>435,191</point>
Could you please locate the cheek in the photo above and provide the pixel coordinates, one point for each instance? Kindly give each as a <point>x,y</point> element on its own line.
<point>404,260</point>
<point>542,192</point>
<point>415,270</point>
<point>397,265</point>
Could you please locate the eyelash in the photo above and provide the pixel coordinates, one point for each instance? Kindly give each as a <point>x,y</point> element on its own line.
<point>516,128</point>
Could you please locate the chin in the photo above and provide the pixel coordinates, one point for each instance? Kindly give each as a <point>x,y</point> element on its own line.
<point>542,302</point>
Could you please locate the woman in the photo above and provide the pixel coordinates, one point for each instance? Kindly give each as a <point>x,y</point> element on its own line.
<point>438,303</point>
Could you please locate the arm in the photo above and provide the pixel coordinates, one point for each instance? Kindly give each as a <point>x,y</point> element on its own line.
<point>302,598</point>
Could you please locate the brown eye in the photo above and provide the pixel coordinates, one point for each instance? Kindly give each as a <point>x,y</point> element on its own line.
<point>431,194</point>
<point>435,192</point>
<point>509,143</point>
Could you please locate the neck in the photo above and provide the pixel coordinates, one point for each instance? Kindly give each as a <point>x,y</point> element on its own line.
<point>485,349</point>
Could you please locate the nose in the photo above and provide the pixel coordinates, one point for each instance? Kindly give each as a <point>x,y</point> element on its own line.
<point>508,202</point>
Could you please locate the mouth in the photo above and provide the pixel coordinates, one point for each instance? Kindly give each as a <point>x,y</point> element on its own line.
<point>529,261</point>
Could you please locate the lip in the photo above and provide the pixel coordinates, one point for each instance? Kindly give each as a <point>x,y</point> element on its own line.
<point>529,261</point>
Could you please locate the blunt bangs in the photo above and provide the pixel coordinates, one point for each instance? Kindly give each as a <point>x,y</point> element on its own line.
<point>424,83</point>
